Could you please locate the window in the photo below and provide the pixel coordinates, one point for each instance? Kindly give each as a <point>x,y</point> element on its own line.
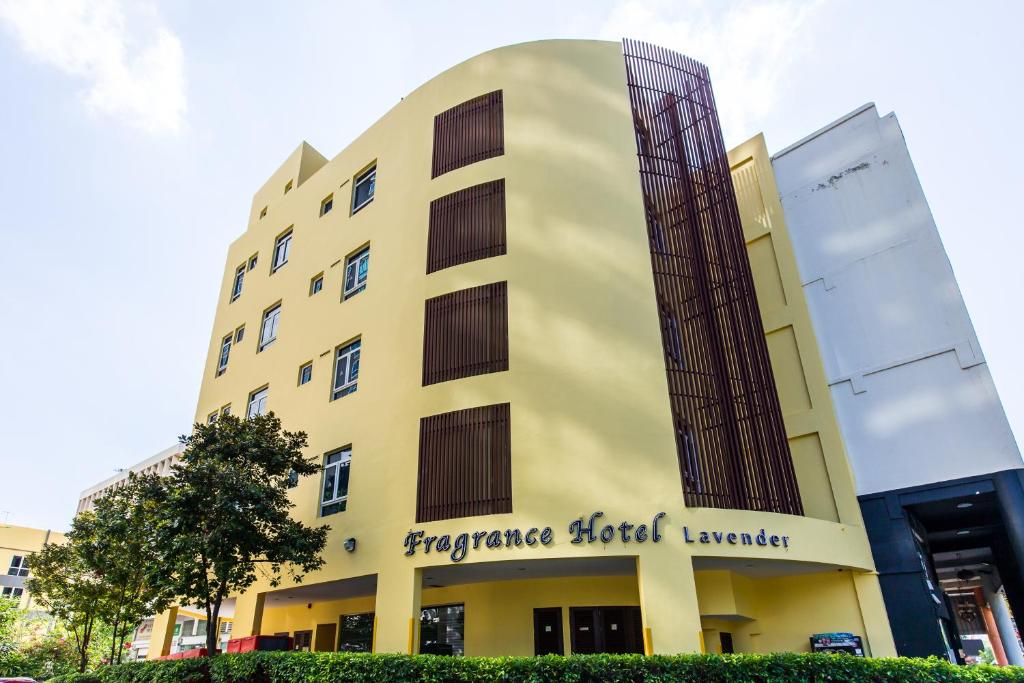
<point>19,566</point>
<point>355,632</point>
<point>201,627</point>
<point>236,286</point>
<point>465,333</point>
<point>263,212</point>
<point>12,592</point>
<point>305,373</point>
<point>442,630</point>
<point>362,191</point>
<point>346,370</point>
<point>225,351</point>
<point>356,268</point>
<point>288,187</point>
<point>335,491</point>
<point>282,248</point>
<point>239,333</point>
<point>326,204</point>
<point>467,225</point>
<point>226,410</point>
<point>316,284</point>
<point>465,464</point>
<point>468,133</point>
<point>268,330</point>
<point>257,402</point>
<point>212,417</point>
<point>252,261</point>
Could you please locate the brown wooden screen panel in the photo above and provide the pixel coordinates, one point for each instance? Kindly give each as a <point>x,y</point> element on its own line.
<point>467,225</point>
<point>465,464</point>
<point>468,132</point>
<point>465,333</point>
<point>730,436</point>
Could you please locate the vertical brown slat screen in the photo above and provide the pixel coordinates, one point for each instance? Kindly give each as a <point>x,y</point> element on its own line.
<point>465,466</point>
<point>468,132</point>
<point>465,333</point>
<point>730,437</point>
<point>467,225</point>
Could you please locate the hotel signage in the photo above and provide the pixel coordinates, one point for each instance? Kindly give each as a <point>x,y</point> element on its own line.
<point>581,532</point>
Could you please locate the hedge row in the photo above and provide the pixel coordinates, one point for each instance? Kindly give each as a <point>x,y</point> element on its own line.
<point>303,667</point>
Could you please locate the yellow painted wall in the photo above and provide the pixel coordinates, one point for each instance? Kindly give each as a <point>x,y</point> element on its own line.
<point>591,427</point>
<point>20,540</point>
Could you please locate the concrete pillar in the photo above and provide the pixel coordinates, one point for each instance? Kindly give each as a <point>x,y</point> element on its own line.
<point>991,630</point>
<point>1007,632</point>
<point>878,640</point>
<point>397,611</point>
<point>163,633</point>
<point>248,614</point>
<point>668,603</point>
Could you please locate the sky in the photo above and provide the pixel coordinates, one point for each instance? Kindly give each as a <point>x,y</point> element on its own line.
<point>134,134</point>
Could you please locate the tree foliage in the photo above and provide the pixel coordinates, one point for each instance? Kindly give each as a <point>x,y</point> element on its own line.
<point>225,513</point>
<point>121,550</point>
<point>64,584</point>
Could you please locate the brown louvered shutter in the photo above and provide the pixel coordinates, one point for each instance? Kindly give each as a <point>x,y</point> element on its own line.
<point>467,225</point>
<point>468,132</point>
<point>730,434</point>
<point>465,466</point>
<point>465,333</point>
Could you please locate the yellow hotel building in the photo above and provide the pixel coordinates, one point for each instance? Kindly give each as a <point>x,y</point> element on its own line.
<point>550,343</point>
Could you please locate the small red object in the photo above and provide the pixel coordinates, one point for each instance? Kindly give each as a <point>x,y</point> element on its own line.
<point>253,643</point>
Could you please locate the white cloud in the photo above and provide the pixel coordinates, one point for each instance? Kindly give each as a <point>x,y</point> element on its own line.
<point>132,63</point>
<point>748,46</point>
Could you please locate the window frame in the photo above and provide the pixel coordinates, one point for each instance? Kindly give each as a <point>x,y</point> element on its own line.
<point>369,174</point>
<point>314,281</point>
<point>285,238</point>
<point>253,260</point>
<point>238,282</point>
<point>12,592</point>
<point>18,566</point>
<point>267,343</point>
<point>326,204</point>
<point>289,185</point>
<point>351,260</point>
<point>344,460</point>
<point>212,417</point>
<point>225,354</point>
<point>254,397</point>
<point>239,334</point>
<point>308,365</point>
<point>346,351</point>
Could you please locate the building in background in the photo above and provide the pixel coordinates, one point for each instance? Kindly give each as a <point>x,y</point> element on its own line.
<point>938,471</point>
<point>158,464</point>
<point>17,543</point>
<point>517,319</point>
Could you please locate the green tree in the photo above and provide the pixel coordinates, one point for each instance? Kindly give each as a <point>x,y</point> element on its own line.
<point>63,583</point>
<point>225,513</point>
<point>122,552</point>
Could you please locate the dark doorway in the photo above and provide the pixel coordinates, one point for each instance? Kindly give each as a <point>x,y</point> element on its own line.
<point>726,639</point>
<point>547,631</point>
<point>355,632</point>
<point>303,641</point>
<point>616,630</point>
<point>326,636</point>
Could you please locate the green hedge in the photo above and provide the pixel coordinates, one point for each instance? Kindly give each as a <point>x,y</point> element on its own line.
<point>304,667</point>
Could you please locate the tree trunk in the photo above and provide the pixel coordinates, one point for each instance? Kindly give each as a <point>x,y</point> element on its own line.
<point>212,628</point>
<point>84,651</point>
<point>113,643</point>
